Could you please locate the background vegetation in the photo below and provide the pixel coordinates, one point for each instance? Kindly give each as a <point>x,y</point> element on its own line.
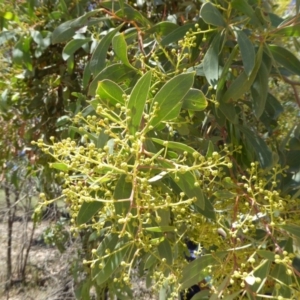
<point>170,132</point>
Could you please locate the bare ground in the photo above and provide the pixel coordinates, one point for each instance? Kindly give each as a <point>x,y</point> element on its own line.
<point>47,272</point>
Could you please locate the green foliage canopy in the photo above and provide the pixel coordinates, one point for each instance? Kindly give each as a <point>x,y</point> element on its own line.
<point>181,140</point>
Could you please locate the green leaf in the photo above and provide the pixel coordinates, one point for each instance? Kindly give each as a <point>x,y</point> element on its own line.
<point>169,98</point>
<point>273,106</point>
<point>174,145</point>
<point>116,72</point>
<point>259,90</point>
<point>243,82</point>
<point>6,35</point>
<point>194,272</point>
<point>120,48</point>
<point>73,46</point>
<point>98,60</point>
<point>108,243</point>
<point>84,19</point>
<point>59,166</point>
<point>246,9</point>
<point>63,33</point>
<point>288,30</point>
<point>112,263</point>
<point>162,28</point>
<point>137,101</point>
<point>247,51</point>
<point>285,281</point>
<point>211,15</point>
<point>86,75</point>
<point>87,211</point>
<point>160,228</point>
<point>109,91</point>
<point>165,251</point>
<point>221,288</point>
<point>285,58</point>
<point>202,295</point>
<point>259,146</point>
<point>194,100</point>
<point>292,229</point>
<point>122,192</point>
<point>211,67</point>
<point>233,296</point>
<point>150,261</point>
<point>132,14</point>
<point>228,109</point>
<point>186,183</point>
<point>224,74</point>
<point>261,272</point>
<point>176,34</point>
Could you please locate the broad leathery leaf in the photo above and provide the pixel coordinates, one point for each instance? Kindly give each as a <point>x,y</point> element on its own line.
<point>279,273</point>
<point>262,272</point>
<point>6,35</point>
<point>112,263</point>
<point>259,146</point>
<point>98,60</point>
<point>228,109</point>
<point>131,14</point>
<point>292,229</point>
<point>202,295</point>
<point>162,28</point>
<point>243,82</point>
<point>294,143</point>
<point>211,60</point>
<point>259,90</point>
<point>288,31</point>
<point>63,33</point>
<point>116,72</point>
<point>220,288</point>
<point>111,92</point>
<point>211,15</point>
<point>126,11</point>
<point>169,98</point>
<point>285,58</point>
<point>174,145</point>
<point>59,166</point>
<point>194,100</point>
<point>119,46</point>
<point>223,77</point>
<point>83,20</point>
<point>165,251</point>
<point>109,242</point>
<point>73,46</point>
<point>86,75</point>
<point>273,106</point>
<point>176,34</point>
<point>122,192</point>
<point>245,8</point>
<point>137,101</point>
<point>247,51</point>
<point>233,296</point>
<point>121,2</point>
<point>160,228</point>
<point>193,272</point>
<point>84,290</point>
<point>151,260</point>
<point>186,183</point>
<point>92,137</point>
<point>87,211</point>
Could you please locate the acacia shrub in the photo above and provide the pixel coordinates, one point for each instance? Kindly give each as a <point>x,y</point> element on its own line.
<point>180,142</point>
